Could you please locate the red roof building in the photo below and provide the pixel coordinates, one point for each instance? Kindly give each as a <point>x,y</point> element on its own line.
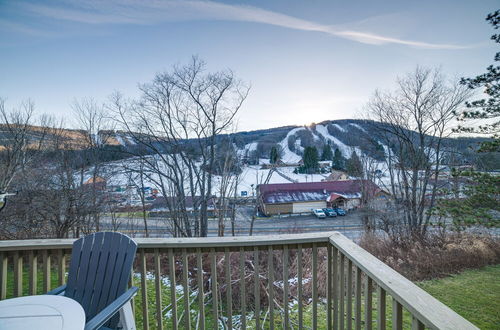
<point>285,198</point>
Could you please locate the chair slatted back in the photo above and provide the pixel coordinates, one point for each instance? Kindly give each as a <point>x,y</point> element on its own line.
<point>99,271</point>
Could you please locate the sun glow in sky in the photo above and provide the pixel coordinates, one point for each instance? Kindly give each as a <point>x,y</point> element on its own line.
<point>306,61</point>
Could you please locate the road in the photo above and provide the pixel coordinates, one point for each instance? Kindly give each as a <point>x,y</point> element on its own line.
<point>350,225</point>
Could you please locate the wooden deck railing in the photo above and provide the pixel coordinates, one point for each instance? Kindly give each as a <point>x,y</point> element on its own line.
<point>318,281</point>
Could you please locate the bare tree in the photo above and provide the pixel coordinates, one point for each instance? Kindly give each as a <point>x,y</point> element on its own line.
<point>52,202</point>
<point>228,170</point>
<point>178,120</point>
<point>413,120</point>
<point>91,117</point>
<point>18,136</point>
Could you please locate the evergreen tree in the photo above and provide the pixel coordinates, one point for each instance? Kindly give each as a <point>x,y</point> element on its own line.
<point>477,201</point>
<point>327,153</point>
<point>338,162</point>
<point>487,108</point>
<point>274,156</point>
<point>310,160</point>
<point>354,166</point>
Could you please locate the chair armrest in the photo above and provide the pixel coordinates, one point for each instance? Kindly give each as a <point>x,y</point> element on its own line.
<point>57,291</point>
<point>103,316</point>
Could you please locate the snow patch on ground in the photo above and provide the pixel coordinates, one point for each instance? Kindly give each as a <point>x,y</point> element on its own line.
<point>345,149</point>
<point>358,127</point>
<point>338,126</point>
<point>287,155</point>
<point>247,149</point>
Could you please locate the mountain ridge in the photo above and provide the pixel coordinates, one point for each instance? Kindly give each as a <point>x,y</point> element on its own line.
<point>347,135</point>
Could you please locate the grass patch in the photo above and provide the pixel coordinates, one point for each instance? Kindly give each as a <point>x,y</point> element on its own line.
<point>474,294</point>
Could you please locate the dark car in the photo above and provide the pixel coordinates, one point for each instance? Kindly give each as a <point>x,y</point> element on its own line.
<point>330,212</point>
<point>339,211</point>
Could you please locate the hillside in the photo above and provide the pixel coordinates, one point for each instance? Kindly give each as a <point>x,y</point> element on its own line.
<point>347,135</point>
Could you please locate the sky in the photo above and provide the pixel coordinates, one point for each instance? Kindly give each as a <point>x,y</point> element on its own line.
<point>306,61</point>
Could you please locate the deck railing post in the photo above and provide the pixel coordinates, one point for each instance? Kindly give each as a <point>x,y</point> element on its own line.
<point>159,316</point>
<point>144,292</point>
<point>201,295</point>
<point>185,285</point>
<point>416,324</point>
<point>173,295</point>
<point>18,274</point>
<point>61,258</point>
<point>381,310</point>
<point>300,286</point>
<point>285,288</point>
<point>349,294</point>
<point>342,292</point>
<point>335,266</point>
<point>243,302</point>
<point>270,280</point>
<point>33,272</point>
<point>368,303</point>
<point>329,299</point>
<point>3,274</point>
<point>315,285</point>
<point>358,298</point>
<point>229,296</point>
<point>215,295</point>
<point>46,270</point>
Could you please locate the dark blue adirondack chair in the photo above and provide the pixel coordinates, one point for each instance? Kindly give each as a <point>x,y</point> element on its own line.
<point>99,272</point>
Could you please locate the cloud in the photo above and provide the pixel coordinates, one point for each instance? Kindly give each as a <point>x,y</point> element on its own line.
<point>20,28</point>
<point>156,11</point>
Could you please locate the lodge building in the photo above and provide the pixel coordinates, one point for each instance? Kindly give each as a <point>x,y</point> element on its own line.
<point>289,198</point>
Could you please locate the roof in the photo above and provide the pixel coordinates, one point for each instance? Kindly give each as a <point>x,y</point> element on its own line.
<point>314,191</point>
<point>333,196</point>
<point>98,179</point>
<point>336,175</point>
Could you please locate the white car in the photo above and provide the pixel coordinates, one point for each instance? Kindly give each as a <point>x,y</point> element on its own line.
<point>319,213</point>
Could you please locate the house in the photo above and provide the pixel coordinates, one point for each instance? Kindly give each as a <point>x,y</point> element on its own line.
<point>287,198</point>
<point>336,175</point>
<point>98,182</point>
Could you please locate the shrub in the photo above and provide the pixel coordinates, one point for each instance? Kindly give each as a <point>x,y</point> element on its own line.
<point>435,256</point>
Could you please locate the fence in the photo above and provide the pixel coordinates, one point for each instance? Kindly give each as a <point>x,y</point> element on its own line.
<point>313,280</point>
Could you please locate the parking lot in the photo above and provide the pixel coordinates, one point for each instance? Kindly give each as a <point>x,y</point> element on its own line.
<point>350,224</point>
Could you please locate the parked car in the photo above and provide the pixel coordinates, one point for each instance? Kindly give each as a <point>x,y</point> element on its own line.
<point>319,213</point>
<point>330,212</point>
<point>339,211</point>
